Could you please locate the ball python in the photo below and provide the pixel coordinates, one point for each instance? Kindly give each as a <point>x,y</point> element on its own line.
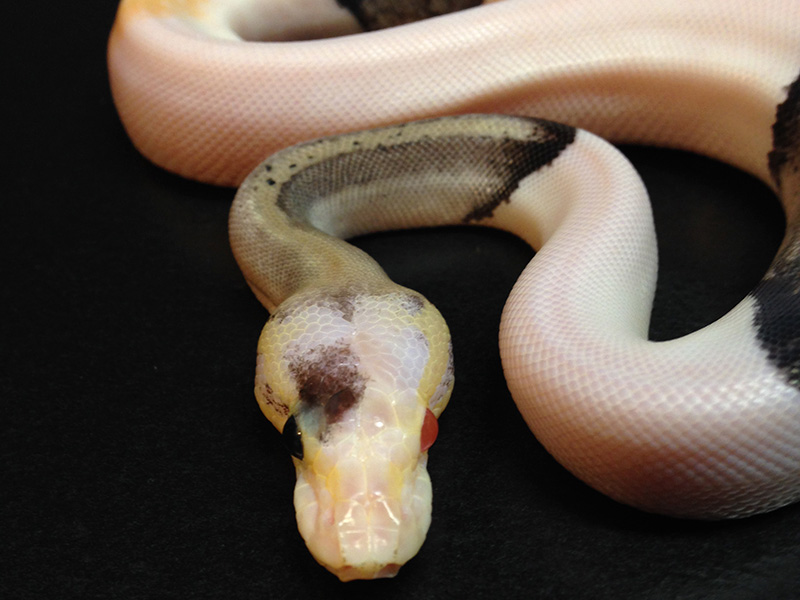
<point>453,119</point>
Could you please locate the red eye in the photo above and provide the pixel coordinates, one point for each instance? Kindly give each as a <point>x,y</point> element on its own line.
<point>430,429</point>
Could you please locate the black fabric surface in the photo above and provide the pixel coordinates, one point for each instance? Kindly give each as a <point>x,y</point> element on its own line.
<point>136,463</point>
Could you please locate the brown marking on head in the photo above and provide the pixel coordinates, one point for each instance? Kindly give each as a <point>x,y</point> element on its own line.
<point>338,404</point>
<point>328,378</point>
<point>413,303</point>
<point>341,301</point>
<point>271,399</point>
<point>448,378</point>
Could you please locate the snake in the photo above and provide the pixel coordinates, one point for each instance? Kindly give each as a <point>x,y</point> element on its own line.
<point>337,120</point>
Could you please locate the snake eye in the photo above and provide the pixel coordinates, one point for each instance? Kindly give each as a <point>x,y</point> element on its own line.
<point>430,429</point>
<point>293,438</point>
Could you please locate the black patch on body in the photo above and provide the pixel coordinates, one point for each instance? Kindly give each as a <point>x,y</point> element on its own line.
<point>520,159</point>
<point>778,324</point>
<point>415,168</point>
<point>777,296</point>
<point>786,136</point>
<point>380,14</point>
<point>777,315</point>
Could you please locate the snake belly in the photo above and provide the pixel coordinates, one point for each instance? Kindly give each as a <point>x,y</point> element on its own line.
<point>354,369</point>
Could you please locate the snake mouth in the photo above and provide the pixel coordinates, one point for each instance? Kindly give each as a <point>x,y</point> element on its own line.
<point>351,573</point>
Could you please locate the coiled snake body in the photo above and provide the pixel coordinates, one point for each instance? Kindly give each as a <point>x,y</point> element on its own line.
<point>353,368</point>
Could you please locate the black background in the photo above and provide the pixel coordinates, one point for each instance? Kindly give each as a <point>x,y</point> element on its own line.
<point>136,463</point>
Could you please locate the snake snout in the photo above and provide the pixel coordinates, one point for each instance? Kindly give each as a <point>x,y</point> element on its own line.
<point>364,513</point>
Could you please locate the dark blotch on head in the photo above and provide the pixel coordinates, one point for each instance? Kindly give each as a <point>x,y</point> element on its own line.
<point>342,301</point>
<point>338,404</point>
<point>413,303</point>
<point>328,378</point>
<point>272,399</point>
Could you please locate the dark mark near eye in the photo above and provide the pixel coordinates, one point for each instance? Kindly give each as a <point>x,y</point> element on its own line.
<point>328,378</point>
<point>272,399</point>
<point>337,404</point>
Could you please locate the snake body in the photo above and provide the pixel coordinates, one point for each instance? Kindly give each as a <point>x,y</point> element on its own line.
<point>354,369</point>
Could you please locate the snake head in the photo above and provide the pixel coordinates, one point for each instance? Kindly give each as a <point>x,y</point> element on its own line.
<point>355,384</point>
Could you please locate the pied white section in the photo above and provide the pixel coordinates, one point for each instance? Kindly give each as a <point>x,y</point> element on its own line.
<point>391,351</point>
<point>701,426</point>
<point>700,75</point>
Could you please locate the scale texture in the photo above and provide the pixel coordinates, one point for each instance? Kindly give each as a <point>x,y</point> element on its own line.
<point>706,426</point>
